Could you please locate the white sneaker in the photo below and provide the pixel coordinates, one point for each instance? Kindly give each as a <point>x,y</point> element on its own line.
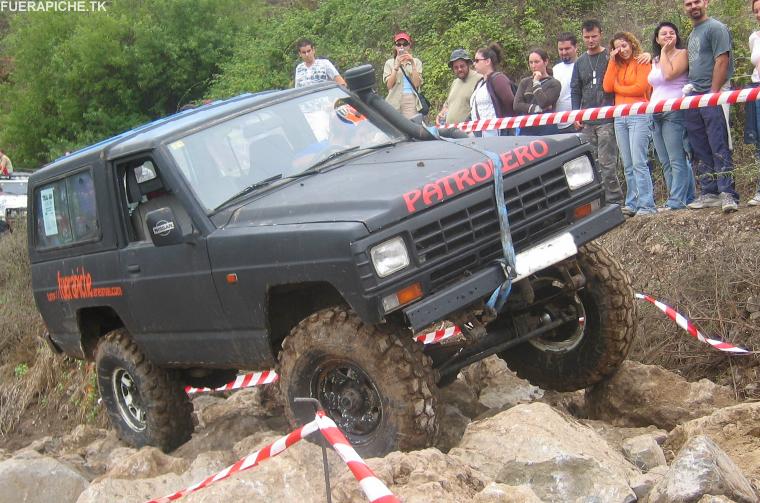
<point>755,201</point>
<point>728,203</point>
<point>705,201</point>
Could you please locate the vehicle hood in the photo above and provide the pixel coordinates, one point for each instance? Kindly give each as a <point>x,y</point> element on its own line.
<point>392,183</point>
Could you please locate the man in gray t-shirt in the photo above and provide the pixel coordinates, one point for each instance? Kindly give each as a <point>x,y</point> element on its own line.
<point>710,67</point>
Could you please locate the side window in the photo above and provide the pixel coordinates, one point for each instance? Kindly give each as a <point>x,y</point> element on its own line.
<point>66,212</point>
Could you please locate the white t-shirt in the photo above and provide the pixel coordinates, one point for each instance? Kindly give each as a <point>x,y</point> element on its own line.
<point>564,73</point>
<point>754,47</point>
<point>320,71</point>
<point>481,104</point>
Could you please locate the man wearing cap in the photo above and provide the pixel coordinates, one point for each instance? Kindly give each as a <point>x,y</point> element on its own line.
<point>312,70</point>
<point>402,75</point>
<point>457,106</point>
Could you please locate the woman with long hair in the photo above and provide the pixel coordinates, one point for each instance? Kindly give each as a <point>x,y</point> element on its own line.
<point>538,93</point>
<point>670,72</point>
<point>493,97</point>
<point>627,79</point>
<point>402,75</point>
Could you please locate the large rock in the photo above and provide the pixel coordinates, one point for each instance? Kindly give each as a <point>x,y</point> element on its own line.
<point>417,477</point>
<point>145,463</point>
<point>735,429</point>
<point>700,468</point>
<point>643,452</point>
<point>294,475</point>
<point>497,386</point>
<point>452,426</point>
<point>640,395</point>
<point>502,493</point>
<point>33,479</point>
<point>560,459</point>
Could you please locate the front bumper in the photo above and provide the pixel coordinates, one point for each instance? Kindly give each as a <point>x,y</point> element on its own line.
<point>482,283</point>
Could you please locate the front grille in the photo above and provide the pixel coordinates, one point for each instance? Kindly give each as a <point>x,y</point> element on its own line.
<point>536,210</point>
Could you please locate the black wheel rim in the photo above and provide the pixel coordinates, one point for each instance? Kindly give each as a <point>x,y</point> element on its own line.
<point>567,337</point>
<point>349,397</point>
<point>128,399</point>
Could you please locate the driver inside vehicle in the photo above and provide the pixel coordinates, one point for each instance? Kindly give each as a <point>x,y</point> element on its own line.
<point>346,128</point>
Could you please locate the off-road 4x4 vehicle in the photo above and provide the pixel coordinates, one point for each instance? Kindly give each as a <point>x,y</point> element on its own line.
<point>315,231</point>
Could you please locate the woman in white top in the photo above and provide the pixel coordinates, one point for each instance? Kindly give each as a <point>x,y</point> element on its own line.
<point>752,109</point>
<point>669,73</point>
<point>493,97</point>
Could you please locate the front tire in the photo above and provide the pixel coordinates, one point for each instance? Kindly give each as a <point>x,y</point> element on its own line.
<point>379,388</point>
<point>145,403</point>
<point>576,358</point>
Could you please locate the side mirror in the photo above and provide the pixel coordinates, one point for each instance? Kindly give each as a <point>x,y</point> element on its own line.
<point>163,227</point>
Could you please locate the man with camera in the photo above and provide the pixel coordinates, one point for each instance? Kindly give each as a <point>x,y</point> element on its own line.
<point>402,75</point>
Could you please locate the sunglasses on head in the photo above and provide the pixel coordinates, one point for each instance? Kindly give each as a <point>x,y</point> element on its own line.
<point>402,43</point>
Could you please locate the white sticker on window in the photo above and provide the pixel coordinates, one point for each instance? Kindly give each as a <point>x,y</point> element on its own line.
<point>48,212</point>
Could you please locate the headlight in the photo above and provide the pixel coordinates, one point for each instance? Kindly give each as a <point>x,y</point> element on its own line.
<point>578,172</point>
<point>389,257</point>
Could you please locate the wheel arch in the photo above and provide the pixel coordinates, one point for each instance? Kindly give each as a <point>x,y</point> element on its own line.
<point>288,304</point>
<point>94,323</point>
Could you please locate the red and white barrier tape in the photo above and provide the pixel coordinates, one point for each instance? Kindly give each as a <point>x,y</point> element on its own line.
<point>270,376</point>
<point>241,381</point>
<point>684,103</point>
<point>247,462</point>
<point>375,490</point>
<point>689,326</point>
<point>438,335</point>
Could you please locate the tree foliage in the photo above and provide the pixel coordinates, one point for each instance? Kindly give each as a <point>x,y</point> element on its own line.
<point>76,78</point>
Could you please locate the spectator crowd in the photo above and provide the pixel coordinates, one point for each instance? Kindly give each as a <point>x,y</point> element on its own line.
<point>692,146</point>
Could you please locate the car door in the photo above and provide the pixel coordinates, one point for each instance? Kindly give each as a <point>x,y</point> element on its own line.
<point>172,296</point>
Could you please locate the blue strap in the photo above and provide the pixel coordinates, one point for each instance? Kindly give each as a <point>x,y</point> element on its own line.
<point>499,296</point>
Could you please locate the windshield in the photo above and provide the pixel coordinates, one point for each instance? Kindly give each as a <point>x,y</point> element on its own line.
<point>13,187</point>
<point>276,142</point>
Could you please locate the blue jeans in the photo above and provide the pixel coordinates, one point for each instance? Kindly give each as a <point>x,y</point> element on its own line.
<point>632,135</point>
<point>708,135</point>
<point>668,135</point>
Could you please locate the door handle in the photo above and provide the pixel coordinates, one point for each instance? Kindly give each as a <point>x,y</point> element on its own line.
<point>133,268</point>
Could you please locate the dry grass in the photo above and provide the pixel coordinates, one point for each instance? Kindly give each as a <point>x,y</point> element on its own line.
<point>40,392</point>
<point>704,264</point>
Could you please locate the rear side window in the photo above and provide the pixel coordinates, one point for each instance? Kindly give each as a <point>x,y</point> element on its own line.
<point>65,211</point>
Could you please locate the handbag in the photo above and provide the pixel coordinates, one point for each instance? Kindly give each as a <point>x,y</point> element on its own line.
<point>424,103</point>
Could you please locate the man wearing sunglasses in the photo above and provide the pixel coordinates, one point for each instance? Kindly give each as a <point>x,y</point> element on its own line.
<point>403,76</point>
<point>312,70</point>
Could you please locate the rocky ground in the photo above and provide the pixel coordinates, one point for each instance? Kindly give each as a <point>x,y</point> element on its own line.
<point>645,435</point>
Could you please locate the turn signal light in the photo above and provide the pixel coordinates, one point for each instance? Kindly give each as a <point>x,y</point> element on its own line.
<point>403,296</point>
<point>585,209</point>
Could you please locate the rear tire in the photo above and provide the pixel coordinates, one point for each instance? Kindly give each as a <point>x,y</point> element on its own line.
<point>378,387</point>
<point>145,403</point>
<point>579,359</point>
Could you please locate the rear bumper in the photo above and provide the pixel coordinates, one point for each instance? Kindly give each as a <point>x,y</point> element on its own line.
<point>481,284</point>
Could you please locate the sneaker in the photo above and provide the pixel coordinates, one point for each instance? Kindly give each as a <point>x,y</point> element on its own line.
<point>755,201</point>
<point>705,201</point>
<point>663,209</point>
<point>728,203</point>
<point>645,212</point>
<point>628,211</point>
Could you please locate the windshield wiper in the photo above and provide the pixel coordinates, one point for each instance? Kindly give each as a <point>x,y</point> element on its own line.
<point>260,184</point>
<point>331,157</point>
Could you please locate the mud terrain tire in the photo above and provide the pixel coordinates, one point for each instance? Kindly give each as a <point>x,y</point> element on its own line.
<point>610,312</point>
<point>145,403</point>
<point>378,387</point>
